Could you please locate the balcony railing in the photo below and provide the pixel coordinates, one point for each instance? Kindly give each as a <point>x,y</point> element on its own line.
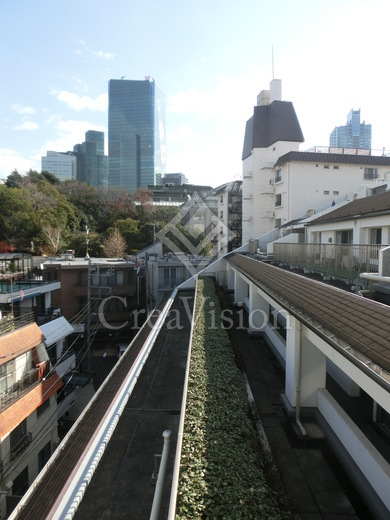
<point>8,322</point>
<point>23,385</point>
<point>13,284</point>
<point>21,445</point>
<point>345,261</point>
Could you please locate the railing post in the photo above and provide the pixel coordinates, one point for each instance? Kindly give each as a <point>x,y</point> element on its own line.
<point>154,515</point>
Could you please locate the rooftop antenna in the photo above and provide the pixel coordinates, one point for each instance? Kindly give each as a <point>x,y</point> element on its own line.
<point>123,77</point>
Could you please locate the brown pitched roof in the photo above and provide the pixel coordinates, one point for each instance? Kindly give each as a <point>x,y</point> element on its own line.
<point>334,158</point>
<point>361,323</point>
<point>367,206</point>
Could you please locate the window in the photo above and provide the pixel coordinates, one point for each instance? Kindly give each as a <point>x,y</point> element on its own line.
<point>336,167</point>
<point>221,198</point>
<point>376,236</point>
<point>19,439</point>
<point>169,277</point>
<point>44,456</point>
<point>344,237</point>
<point>119,277</point>
<point>278,177</point>
<point>44,406</point>
<point>326,166</point>
<point>221,214</point>
<point>370,173</point>
<point>278,199</point>
<point>326,192</point>
<point>335,192</point>
<point>20,485</point>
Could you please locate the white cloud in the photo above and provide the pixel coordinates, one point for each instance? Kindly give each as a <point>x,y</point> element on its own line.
<point>184,134</point>
<point>99,104</point>
<point>27,125</point>
<point>104,55</point>
<point>10,160</point>
<point>23,110</point>
<point>68,133</point>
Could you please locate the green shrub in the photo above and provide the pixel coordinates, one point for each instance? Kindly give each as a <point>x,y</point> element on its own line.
<point>221,474</point>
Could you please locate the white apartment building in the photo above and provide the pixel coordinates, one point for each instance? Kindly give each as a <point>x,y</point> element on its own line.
<point>229,197</point>
<point>62,165</point>
<point>280,183</point>
<point>305,181</point>
<point>270,133</point>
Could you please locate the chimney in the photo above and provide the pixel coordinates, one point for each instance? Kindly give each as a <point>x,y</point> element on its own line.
<point>273,94</point>
<point>276,90</point>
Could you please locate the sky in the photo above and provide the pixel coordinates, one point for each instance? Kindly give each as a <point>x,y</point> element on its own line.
<point>210,58</point>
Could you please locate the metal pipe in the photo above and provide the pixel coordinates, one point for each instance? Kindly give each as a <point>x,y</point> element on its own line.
<point>298,382</point>
<point>375,277</point>
<point>155,513</point>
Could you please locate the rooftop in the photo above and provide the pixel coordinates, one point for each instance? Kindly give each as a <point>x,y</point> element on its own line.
<point>369,206</point>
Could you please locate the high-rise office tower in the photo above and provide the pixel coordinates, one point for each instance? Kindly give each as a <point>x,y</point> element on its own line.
<point>92,164</point>
<point>353,135</point>
<point>136,133</point>
<point>62,165</point>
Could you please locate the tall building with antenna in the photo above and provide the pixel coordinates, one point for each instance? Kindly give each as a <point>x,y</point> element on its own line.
<point>136,133</point>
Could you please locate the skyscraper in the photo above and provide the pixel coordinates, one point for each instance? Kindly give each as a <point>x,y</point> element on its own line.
<point>353,135</point>
<point>92,164</point>
<point>62,165</point>
<point>136,133</point>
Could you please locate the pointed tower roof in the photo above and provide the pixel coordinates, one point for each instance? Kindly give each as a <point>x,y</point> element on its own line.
<point>270,123</point>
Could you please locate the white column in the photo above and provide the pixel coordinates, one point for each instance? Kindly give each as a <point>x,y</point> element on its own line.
<point>240,289</point>
<point>258,310</point>
<point>230,278</point>
<point>305,367</point>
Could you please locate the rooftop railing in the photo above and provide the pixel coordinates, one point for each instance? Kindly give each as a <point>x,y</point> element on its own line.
<point>9,322</point>
<point>344,261</point>
<point>9,285</point>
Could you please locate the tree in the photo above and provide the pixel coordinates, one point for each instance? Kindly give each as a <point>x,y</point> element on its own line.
<point>53,235</point>
<point>19,222</point>
<point>114,246</point>
<point>14,180</point>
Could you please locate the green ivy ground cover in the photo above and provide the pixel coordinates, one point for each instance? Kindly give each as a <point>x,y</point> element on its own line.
<point>221,474</point>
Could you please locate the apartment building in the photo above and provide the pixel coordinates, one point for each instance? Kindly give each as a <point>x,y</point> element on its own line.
<point>33,362</point>
<point>281,183</point>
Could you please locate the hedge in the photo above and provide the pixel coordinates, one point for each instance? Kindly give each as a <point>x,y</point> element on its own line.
<point>221,474</point>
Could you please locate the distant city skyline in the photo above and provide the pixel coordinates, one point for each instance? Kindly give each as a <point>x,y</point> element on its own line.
<point>211,59</point>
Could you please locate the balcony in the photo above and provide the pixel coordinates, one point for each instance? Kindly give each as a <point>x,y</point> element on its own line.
<point>23,385</point>
<point>344,261</point>
<point>16,287</point>
<point>9,323</point>
<point>267,189</point>
<point>21,445</point>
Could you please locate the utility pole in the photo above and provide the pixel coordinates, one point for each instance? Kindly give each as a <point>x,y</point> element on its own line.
<point>86,242</point>
<point>89,315</point>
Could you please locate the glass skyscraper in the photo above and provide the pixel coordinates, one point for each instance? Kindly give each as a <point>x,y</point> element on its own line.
<point>136,133</point>
<point>353,135</point>
<point>92,164</point>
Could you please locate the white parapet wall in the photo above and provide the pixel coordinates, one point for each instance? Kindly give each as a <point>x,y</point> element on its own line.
<point>369,461</point>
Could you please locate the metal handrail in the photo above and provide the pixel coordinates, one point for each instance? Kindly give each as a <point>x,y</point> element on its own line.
<point>344,261</point>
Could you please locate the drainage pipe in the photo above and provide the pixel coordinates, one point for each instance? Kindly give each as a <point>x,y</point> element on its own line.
<point>375,277</point>
<point>155,513</point>
<point>298,325</point>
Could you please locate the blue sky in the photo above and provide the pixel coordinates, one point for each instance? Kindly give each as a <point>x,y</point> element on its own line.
<point>210,57</point>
